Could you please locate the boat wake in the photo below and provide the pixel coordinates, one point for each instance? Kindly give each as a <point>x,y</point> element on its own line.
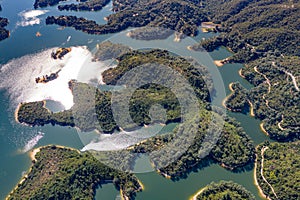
<point>122,140</point>
<point>31,143</point>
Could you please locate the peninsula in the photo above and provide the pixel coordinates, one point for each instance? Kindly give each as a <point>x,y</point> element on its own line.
<point>223,190</point>
<point>64,173</point>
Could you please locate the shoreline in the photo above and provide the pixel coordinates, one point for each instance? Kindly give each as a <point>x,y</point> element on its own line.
<point>241,74</point>
<point>194,197</point>
<point>251,108</point>
<point>16,113</point>
<point>260,191</point>
<point>221,63</point>
<point>224,100</point>
<point>261,125</point>
<point>218,63</point>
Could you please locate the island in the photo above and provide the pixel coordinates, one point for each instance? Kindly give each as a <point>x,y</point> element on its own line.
<point>45,3</point>
<point>47,78</point>
<point>4,33</point>
<point>64,173</point>
<point>60,53</point>
<point>223,190</point>
<point>277,170</point>
<point>87,5</point>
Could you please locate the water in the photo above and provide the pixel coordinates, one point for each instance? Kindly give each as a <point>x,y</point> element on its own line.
<point>17,139</point>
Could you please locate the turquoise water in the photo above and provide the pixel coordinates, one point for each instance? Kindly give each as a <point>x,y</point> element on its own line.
<point>15,137</point>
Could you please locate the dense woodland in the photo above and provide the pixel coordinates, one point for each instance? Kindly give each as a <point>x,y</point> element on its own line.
<point>281,169</point>
<point>182,16</point>
<point>87,5</point>
<point>63,173</point>
<point>45,3</point>
<point>231,147</point>
<point>225,190</point>
<point>234,148</point>
<point>275,97</point>
<point>88,115</point>
<point>264,35</point>
<point>3,23</point>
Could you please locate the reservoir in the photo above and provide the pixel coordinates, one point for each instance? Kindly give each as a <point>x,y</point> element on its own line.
<point>16,139</point>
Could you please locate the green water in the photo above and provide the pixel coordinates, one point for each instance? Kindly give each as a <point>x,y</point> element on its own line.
<point>15,136</point>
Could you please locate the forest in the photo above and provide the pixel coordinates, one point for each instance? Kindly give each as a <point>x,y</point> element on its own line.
<point>225,190</point>
<point>275,97</point>
<point>265,36</point>
<point>63,173</point>
<point>98,115</point>
<point>87,5</point>
<point>182,16</point>
<point>45,3</point>
<point>234,149</point>
<point>231,147</point>
<point>280,168</point>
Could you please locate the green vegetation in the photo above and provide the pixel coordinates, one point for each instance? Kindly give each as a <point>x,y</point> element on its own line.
<point>237,101</point>
<point>3,32</point>
<point>45,3</point>
<point>182,16</point>
<point>107,50</point>
<point>280,169</point>
<point>89,115</point>
<point>87,5</point>
<point>253,28</point>
<point>233,149</point>
<point>63,173</point>
<point>275,97</point>
<point>264,35</point>
<point>198,77</point>
<point>225,190</point>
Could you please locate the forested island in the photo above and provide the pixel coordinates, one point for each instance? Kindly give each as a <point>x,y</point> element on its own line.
<point>277,170</point>
<point>4,33</point>
<point>88,5</point>
<point>223,190</point>
<point>64,173</point>
<point>45,3</point>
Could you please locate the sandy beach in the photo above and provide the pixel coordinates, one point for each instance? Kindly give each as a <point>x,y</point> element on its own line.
<point>224,101</point>
<point>251,109</point>
<point>241,73</point>
<point>194,197</point>
<point>263,129</point>
<point>218,63</point>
